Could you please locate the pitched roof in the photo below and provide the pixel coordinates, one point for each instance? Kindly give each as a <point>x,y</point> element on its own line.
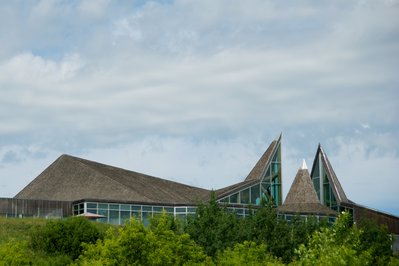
<point>334,182</point>
<point>302,197</point>
<point>258,172</point>
<point>70,178</point>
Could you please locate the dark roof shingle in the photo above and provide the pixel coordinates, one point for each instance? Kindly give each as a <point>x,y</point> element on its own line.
<point>70,178</point>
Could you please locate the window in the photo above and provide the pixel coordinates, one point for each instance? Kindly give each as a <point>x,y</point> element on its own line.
<point>234,198</point>
<point>244,195</point>
<point>255,194</point>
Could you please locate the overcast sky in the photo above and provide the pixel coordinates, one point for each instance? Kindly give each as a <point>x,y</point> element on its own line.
<point>195,91</point>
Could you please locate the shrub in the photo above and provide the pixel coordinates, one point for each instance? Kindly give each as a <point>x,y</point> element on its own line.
<point>65,236</point>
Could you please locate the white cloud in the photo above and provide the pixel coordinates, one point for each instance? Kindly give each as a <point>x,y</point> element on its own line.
<point>30,69</point>
<point>85,75</point>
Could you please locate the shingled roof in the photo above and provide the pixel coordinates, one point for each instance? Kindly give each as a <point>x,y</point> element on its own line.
<point>259,169</point>
<point>256,174</point>
<point>302,197</point>
<point>70,179</point>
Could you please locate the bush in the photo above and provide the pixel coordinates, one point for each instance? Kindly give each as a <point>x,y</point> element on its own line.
<point>14,253</point>
<point>65,236</point>
<point>137,245</point>
<point>247,253</point>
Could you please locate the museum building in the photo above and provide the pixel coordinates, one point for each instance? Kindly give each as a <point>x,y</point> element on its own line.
<point>75,186</point>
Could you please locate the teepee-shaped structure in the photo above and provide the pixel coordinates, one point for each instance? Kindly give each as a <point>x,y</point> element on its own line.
<point>302,197</point>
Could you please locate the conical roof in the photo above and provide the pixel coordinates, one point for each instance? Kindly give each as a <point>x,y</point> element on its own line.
<point>302,197</point>
<point>70,178</point>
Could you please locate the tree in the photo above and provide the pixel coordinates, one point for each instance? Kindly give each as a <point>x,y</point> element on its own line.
<point>247,253</point>
<point>135,244</point>
<point>339,245</point>
<point>65,236</point>
<point>377,240</point>
<point>213,227</point>
<point>276,234</point>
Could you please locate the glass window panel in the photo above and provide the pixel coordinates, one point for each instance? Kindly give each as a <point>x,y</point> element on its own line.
<point>136,214</point>
<point>275,156</point>
<point>114,217</point>
<point>136,208</point>
<point>169,209</point>
<point>275,169</point>
<point>316,170</point>
<point>114,206</point>
<point>326,178</point>
<point>268,174</point>
<point>75,207</point>
<point>316,184</point>
<point>92,211</point>
<point>191,209</point>
<point>327,194</point>
<point>234,198</point>
<point>255,194</point>
<point>225,200</point>
<point>125,216</point>
<point>157,209</point>
<point>147,208</point>
<point>125,207</point>
<point>244,196</point>
<point>91,205</point>
<point>180,209</point>
<point>103,206</point>
<point>105,213</point>
<point>146,218</point>
<point>239,211</point>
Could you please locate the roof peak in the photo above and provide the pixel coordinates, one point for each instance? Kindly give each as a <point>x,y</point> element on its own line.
<point>303,166</point>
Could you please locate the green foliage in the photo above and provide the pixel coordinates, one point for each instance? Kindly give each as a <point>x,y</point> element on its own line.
<point>276,234</point>
<point>377,240</point>
<point>64,236</point>
<point>214,228</point>
<point>247,253</point>
<point>16,228</point>
<point>136,245</point>
<point>14,253</point>
<point>339,245</point>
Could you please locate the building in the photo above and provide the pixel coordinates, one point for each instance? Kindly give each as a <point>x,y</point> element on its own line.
<point>75,186</point>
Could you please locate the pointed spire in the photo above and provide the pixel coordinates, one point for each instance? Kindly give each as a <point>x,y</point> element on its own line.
<point>304,166</point>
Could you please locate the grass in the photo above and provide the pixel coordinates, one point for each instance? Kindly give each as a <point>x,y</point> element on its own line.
<point>17,229</point>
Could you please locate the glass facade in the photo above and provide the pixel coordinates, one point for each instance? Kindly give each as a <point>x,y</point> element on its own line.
<point>319,218</point>
<point>116,213</point>
<point>322,185</point>
<point>321,182</point>
<point>247,196</point>
<point>271,182</point>
<point>268,188</point>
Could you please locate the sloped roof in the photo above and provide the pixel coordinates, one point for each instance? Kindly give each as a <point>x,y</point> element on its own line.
<point>259,169</point>
<point>302,197</point>
<point>220,193</point>
<point>256,173</point>
<point>70,178</point>
<point>334,182</point>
